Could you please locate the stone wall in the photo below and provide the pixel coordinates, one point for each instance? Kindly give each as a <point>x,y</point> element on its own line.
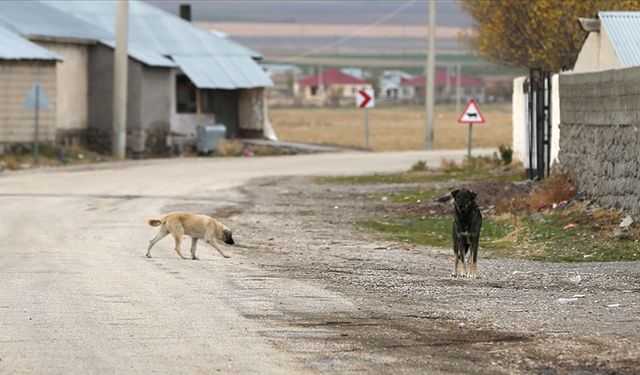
<point>600,127</point>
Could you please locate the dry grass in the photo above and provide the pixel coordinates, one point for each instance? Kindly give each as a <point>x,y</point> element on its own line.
<point>556,188</point>
<point>391,128</point>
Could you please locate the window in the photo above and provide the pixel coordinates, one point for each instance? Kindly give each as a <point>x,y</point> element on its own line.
<point>314,90</point>
<point>185,95</point>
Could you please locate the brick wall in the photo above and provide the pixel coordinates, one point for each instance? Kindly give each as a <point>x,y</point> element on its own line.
<point>600,135</point>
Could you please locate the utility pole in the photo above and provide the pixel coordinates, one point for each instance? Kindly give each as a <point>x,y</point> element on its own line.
<point>430,78</point>
<point>458,87</point>
<point>119,139</point>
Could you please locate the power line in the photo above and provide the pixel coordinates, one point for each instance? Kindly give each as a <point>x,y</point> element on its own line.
<point>355,33</point>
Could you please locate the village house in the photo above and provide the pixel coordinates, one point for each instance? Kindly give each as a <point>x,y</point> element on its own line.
<point>179,75</point>
<point>412,90</point>
<point>22,64</point>
<point>330,87</point>
<point>389,83</point>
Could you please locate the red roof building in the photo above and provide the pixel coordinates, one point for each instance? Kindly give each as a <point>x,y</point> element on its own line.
<point>332,87</point>
<point>331,77</point>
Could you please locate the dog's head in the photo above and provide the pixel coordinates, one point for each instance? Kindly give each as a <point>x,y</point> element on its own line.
<point>463,199</point>
<point>227,237</point>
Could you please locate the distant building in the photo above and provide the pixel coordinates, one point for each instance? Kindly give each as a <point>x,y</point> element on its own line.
<point>331,87</point>
<point>413,89</point>
<point>179,75</point>
<point>274,70</point>
<point>389,83</point>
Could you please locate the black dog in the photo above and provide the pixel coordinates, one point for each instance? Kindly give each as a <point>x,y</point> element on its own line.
<point>467,221</point>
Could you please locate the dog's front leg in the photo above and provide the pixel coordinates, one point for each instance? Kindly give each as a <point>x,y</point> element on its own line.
<point>454,266</point>
<point>464,265</point>
<point>473,257</point>
<point>215,245</point>
<point>194,242</point>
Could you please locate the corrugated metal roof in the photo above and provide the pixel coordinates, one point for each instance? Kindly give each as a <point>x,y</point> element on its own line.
<point>223,72</point>
<point>154,35</point>
<point>209,60</point>
<point>624,31</point>
<point>154,28</point>
<point>34,18</point>
<point>14,47</point>
<point>145,56</point>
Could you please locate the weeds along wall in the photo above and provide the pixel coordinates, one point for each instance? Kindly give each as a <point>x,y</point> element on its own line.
<point>600,135</point>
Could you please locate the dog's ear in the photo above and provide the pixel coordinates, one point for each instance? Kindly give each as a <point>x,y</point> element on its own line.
<point>473,194</point>
<point>455,192</point>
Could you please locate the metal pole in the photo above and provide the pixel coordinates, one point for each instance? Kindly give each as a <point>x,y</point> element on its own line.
<point>36,146</point>
<point>430,79</point>
<point>469,148</point>
<point>120,81</point>
<point>366,129</point>
<point>458,87</point>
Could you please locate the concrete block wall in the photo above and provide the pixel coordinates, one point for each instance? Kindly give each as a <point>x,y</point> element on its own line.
<point>600,143</point>
<point>17,125</point>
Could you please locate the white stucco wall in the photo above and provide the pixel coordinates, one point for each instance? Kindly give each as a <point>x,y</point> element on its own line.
<point>597,53</point>
<point>519,121</point>
<point>555,118</point>
<point>520,108</point>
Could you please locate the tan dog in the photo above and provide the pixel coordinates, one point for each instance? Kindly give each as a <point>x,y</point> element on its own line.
<point>199,227</point>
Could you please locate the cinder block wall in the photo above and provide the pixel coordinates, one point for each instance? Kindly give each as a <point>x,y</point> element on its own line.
<point>600,142</point>
<point>17,125</point>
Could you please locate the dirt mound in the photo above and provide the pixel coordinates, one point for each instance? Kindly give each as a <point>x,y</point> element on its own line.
<point>495,196</point>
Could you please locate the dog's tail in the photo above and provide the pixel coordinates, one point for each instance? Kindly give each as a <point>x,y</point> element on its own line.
<point>154,222</point>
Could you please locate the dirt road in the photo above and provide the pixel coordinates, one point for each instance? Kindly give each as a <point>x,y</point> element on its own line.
<point>304,292</point>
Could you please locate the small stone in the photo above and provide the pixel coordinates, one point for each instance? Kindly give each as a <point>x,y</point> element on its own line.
<point>626,222</point>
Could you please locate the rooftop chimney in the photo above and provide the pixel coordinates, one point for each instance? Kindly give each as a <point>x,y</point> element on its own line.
<point>185,12</point>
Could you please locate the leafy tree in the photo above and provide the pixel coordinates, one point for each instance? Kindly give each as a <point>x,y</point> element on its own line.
<point>534,33</point>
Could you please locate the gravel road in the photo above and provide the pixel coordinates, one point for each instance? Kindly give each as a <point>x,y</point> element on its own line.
<point>304,291</point>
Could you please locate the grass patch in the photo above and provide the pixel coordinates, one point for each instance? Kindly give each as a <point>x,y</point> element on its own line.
<point>542,236</point>
<point>50,155</point>
<point>436,231</point>
<point>477,168</point>
<point>416,195</point>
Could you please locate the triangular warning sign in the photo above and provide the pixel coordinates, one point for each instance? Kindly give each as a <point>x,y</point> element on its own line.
<point>36,94</point>
<point>471,114</point>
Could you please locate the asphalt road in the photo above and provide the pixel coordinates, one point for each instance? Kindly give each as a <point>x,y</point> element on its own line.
<point>77,294</point>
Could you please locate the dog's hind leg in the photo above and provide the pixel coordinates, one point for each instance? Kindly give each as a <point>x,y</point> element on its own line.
<point>162,234</point>
<point>194,242</point>
<point>177,235</point>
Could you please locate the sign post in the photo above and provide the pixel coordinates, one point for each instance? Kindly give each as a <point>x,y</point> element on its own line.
<point>365,98</point>
<point>36,99</point>
<point>471,115</point>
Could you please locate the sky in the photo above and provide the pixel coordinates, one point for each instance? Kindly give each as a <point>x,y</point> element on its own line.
<point>334,12</point>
